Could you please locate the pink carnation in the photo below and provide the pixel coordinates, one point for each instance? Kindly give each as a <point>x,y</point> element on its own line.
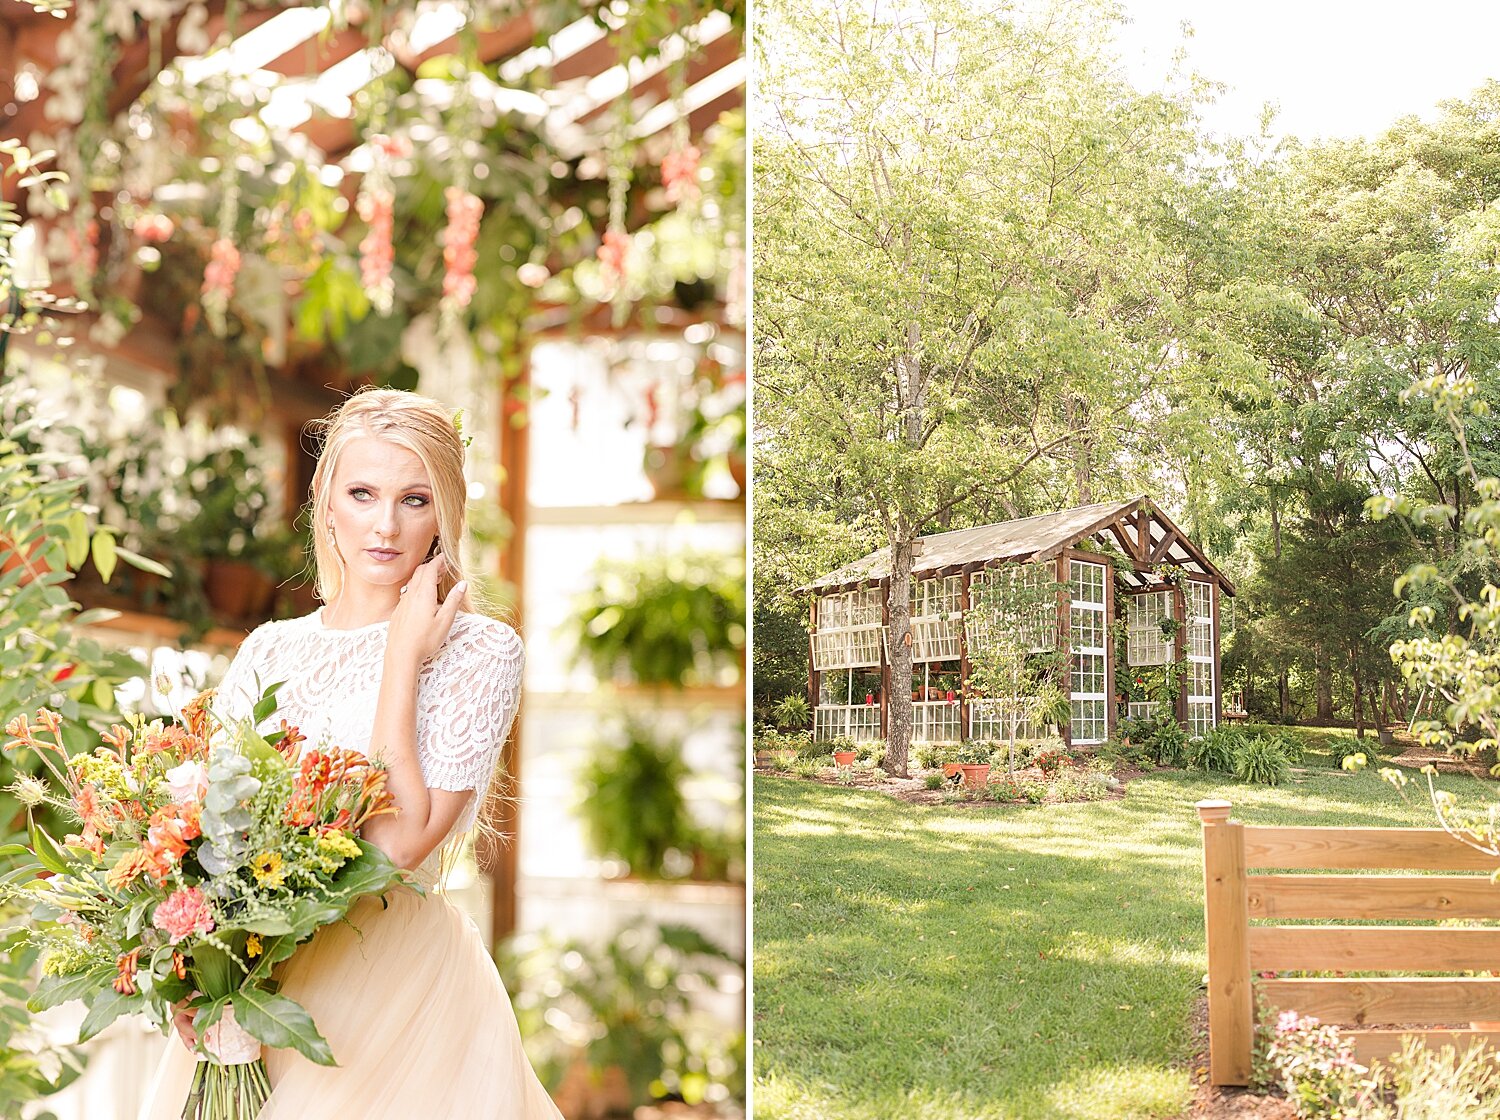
<point>184,913</point>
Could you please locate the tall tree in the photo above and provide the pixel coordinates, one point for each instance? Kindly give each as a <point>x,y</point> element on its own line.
<point>956,274</point>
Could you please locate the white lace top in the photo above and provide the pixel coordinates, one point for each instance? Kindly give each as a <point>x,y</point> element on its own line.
<point>467,692</point>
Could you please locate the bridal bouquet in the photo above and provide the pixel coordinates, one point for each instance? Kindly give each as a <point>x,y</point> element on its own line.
<point>204,854</point>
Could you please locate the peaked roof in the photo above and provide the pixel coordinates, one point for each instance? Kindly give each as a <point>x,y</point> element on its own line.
<point>1040,537</point>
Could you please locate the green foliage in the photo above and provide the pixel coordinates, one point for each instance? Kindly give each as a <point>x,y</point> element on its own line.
<point>1261,761</point>
<point>1216,751</point>
<point>977,753</point>
<point>632,1002</point>
<point>792,712</point>
<point>1341,747</point>
<point>672,620</point>
<point>933,781</point>
<point>632,806</point>
<point>27,1073</point>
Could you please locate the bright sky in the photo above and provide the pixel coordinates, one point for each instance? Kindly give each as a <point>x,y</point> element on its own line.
<point>1335,68</point>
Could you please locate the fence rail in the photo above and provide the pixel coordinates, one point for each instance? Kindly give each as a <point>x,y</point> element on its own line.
<point>1237,950</point>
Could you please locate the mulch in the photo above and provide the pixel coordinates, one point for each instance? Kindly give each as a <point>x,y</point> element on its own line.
<point>1219,1102</point>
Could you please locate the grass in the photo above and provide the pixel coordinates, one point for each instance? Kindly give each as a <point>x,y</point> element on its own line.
<point>957,963</point>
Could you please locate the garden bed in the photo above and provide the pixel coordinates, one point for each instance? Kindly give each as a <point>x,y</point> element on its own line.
<point>915,789</point>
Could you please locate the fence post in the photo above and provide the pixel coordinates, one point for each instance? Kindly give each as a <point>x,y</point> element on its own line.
<point>1231,1016</point>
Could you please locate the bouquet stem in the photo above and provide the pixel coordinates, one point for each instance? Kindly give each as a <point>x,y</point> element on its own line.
<point>221,1092</point>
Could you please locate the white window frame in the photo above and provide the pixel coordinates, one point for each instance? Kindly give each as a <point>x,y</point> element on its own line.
<point>1198,598</point>
<point>1082,726</point>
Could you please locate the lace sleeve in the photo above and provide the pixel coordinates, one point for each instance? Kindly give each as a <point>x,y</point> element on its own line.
<point>466,704</point>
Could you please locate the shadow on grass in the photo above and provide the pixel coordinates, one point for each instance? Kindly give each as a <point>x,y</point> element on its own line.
<point>1005,961</point>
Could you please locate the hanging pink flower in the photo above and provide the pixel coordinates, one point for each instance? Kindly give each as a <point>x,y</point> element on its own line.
<point>223,267</point>
<point>612,253</point>
<point>393,147</point>
<point>153,229</point>
<point>184,913</point>
<point>679,174</point>
<point>377,210</point>
<point>459,255</point>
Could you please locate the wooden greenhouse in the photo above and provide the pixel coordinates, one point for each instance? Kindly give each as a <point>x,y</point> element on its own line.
<point>1109,561</point>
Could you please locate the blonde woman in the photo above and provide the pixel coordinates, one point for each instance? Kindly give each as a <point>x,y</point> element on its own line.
<point>392,665</point>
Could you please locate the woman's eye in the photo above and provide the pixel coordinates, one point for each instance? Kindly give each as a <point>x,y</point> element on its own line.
<point>416,500</point>
<point>359,493</point>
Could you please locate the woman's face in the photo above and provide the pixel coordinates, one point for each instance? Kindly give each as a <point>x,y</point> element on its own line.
<point>384,519</point>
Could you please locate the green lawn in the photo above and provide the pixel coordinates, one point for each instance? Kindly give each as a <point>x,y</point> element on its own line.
<point>956,963</point>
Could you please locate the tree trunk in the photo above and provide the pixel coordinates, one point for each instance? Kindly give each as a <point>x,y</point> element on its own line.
<point>1083,450</point>
<point>1359,707</point>
<point>1283,694</point>
<point>1325,683</point>
<point>898,602</point>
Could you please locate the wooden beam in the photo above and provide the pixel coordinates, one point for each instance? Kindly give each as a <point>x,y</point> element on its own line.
<point>1065,641</point>
<point>1362,849</point>
<point>502,860</point>
<point>1160,551</point>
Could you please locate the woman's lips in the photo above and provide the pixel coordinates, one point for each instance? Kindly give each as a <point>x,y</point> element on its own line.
<point>383,554</point>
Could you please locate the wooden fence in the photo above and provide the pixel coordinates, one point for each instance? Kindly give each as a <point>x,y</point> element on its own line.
<point>1428,1007</point>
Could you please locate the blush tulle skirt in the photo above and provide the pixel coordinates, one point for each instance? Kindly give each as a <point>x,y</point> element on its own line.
<point>416,1015</point>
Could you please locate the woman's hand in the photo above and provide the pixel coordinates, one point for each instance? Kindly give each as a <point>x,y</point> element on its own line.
<point>420,623</point>
<point>182,1019</point>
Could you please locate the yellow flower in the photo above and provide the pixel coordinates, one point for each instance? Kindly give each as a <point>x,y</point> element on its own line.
<point>253,946</point>
<point>268,870</point>
<point>340,843</point>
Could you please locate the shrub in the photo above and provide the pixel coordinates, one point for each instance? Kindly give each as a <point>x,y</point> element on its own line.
<point>1215,751</point>
<point>1051,761</point>
<point>1316,1066</point>
<point>1077,785</point>
<point>1034,792</point>
<point>977,754</point>
<point>833,746</point>
<point>1345,747</point>
<point>933,781</point>
<point>791,711</point>
<point>1003,789</point>
<point>808,768</point>
<point>1261,762</point>
<point>871,751</point>
<point>1167,743</point>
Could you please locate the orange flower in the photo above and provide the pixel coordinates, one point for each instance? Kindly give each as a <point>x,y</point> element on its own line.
<point>130,867</point>
<point>87,802</point>
<point>20,728</point>
<point>90,840</point>
<point>317,770</point>
<point>171,738</point>
<point>179,965</point>
<point>117,737</point>
<point>49,719</point>
<point>195,713</point>
<point>126,968</point>
<point>290,738</point>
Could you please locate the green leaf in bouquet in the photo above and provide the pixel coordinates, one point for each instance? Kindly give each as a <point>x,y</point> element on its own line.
<point>307,915</point>
<point>272,925</point>
<point>106,1007</point>
<point>257,749</point>
<point>135,915</point>
<point>53,858</point>
<point>371,872</point>
<point>54,990</point>
<point>267,702</point>
<point>214,971</point>
<point>209,1012</point>
<point>281,1022</point>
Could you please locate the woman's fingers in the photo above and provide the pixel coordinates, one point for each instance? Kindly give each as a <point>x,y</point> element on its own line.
<point>449,610</point>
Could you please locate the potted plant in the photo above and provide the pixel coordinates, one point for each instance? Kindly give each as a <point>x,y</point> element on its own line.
<point>227,488</point>
<point>844,752</point>
<point>631,803</point>
<point>974,761</point>
<point>669,620</point>
<point>791,712</point>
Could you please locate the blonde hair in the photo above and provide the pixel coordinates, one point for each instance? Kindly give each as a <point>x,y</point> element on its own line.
<point>427,429</point>
<point>424,427</point>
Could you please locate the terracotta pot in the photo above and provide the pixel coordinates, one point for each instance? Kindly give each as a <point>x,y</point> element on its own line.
<point>238,590</point>
<point>975,777</point>
<point>844,758</point>
<point>951,768</point>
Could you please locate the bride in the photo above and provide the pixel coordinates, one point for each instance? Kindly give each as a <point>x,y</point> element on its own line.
<point>405,991</point>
